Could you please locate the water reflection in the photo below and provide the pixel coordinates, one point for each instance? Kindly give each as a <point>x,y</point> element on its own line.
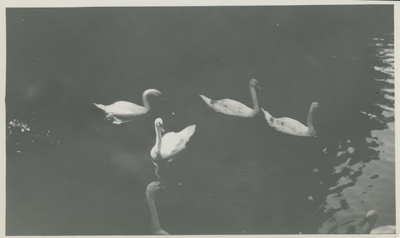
<point>357,189</point>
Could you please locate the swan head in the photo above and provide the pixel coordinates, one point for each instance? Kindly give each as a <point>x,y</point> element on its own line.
<point>153,187</point>
<point>371,215</point>
<point>314,105</point>
<point>254,83</point>
<point>158,123</point>
<point>153,92</point>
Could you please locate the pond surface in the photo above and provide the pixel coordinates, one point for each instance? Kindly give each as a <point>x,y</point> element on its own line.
<point>72,172</point>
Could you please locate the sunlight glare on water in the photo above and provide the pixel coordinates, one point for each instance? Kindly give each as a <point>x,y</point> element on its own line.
<point>378,176</point>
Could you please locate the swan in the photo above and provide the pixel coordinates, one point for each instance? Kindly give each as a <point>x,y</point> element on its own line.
<point>123,111</point>
<point>292,127</point>
<point>235,108</point>
<point>370,218</point>
<point>155,228</point>
<point>169,145</point>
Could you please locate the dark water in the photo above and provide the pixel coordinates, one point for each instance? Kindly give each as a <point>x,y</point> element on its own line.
<point>70,172</point>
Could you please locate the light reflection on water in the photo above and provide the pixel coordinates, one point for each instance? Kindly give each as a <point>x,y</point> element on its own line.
<point>365,192</point>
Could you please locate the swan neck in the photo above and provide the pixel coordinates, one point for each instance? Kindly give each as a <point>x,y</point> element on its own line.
<point>367,229</point>
<point>155,223</point>
<point>158,138</point>
<point>146,103</point>
<point>256,107</point>
<point>310,119</point>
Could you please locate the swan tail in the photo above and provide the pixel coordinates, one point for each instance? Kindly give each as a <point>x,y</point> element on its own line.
<point>206,99</point>
<point>189,131</point>
<point>101,106</point>
<point>268,116</point>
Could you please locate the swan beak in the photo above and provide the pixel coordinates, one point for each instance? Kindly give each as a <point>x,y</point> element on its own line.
<point>162,130</point>
<point>258,86</point>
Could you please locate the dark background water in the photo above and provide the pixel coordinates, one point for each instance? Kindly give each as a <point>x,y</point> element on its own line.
<point>74,173</point>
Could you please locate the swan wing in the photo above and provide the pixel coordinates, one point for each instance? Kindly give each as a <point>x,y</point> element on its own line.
<point>228,107</point>
<point>187,132</point>
<point>173,143</point>
<point>289,126</point>
<point>122,109</point>
<point>126,109</point>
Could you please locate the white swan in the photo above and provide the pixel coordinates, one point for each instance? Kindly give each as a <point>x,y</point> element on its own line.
<point>292,127</point>
<point>123,111</point>
<point>370,219</point>
<point>155,227</point>
<point>169,145</point>
<point>235,108</point>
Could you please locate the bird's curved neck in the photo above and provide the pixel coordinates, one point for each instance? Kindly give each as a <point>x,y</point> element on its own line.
<point>256,107</point>
<point>146,103</point>
<point>155,223</point>
<point>310,120</point>
<point>158,138</point>
<point>367,229</point>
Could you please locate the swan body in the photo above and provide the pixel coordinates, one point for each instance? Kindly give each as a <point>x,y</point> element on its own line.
<point>290,126</point>
<point>169,145</point>
<point>384,230</point>
<point>155,227</point>
<point>235,108</point>
<point>370,219</point>
<point>123,111</point>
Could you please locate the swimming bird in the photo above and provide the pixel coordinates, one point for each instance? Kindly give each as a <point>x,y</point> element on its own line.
<point>123,111</point>
<point>169,145</point>
<point>292,127</point>
<point>155,227</point>
<point>370,218</point>
<point>235,108</point>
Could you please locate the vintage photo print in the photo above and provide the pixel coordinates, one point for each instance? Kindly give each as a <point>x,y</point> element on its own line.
<point>207,119</point>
